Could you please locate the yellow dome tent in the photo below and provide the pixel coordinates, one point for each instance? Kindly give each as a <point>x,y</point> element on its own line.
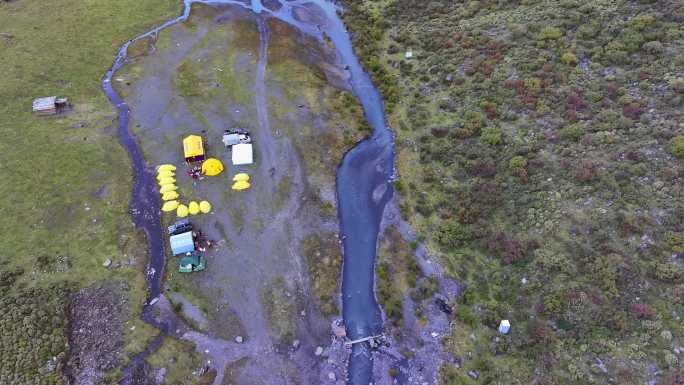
<point>182,211</point>
<point>167,180</point>
<point>205,207</point>
<point>168,187</point>
<point>193,208</point>
<point>165,174</point>
<point>170,195</point>
<point>241,177</point>
<point>240,185</point>
<point>169,206</point>
<point>193,148</point>
<point>212,167</point>
<point>166,167</point>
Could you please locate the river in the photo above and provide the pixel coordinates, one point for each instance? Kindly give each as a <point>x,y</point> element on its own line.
<point>363,180</point>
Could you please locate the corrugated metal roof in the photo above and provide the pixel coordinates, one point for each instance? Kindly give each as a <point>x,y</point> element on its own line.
<point>46,103</point>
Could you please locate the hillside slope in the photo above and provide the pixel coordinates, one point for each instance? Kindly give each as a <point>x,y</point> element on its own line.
<point>540,149</point>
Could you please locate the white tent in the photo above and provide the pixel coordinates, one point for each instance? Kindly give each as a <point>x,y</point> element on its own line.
<point>242,154</point>
<point>504,327</point>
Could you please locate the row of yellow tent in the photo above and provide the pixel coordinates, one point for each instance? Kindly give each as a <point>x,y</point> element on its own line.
<point>182,211</point>
<point>167,186</point>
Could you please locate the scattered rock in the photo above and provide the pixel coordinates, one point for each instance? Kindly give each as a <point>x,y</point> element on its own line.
<point>319,351</point>
<point>107,262</point>
<point>239,339</point>
<point>338,329</point>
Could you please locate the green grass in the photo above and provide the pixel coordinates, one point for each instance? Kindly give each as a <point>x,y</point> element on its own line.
<point>181,363</point>
<point>279,303</point>
<point>54,169</point>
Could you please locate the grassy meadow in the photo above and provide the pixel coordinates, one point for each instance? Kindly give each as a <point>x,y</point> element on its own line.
<point>66,181</point>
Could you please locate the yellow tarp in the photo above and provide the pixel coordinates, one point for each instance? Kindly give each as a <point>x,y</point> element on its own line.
<point>166,167</point>
<point>241,177</point>
<point>205,207</point>
<point>170,195</point>
<point>182,211</point>
<point>165,174</point>
<point>241,185</point>
<point>168,187</point>
<point>192,146</point>
<point>170,206</point>
<point>212,167</point>
<point>167,180</point>
<point>193,208</point>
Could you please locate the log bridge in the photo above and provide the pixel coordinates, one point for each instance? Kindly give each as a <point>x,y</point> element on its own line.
<point>364,339</point>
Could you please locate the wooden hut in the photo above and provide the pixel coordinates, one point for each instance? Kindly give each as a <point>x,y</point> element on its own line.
<point>50,105</point>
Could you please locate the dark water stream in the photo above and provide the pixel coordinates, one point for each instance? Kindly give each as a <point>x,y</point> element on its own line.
<point>363,180</point>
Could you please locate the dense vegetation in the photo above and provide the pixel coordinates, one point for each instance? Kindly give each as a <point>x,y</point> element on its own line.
<point>540,150</point>
<point>33,342</point>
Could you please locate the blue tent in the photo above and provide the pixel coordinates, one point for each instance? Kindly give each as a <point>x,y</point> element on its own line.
<point>182,243</point>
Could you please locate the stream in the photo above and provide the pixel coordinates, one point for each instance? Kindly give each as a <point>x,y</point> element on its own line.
<point>363,182</point>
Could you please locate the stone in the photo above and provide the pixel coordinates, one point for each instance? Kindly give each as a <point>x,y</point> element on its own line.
<point>331,376</point>
<point>319,351</point>
<point>474,374</point>
<point>239,339</point>
<point>107,262</point>
<point>338,329</point>
<point>295,344</point>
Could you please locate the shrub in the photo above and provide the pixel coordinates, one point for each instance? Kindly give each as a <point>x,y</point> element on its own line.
<point>677,146</point>
<point>572,132</point>
<point>653,47</point>
<point>641,311</point>
<point>550,33</point>
<point>453,234</point>
<point>517,163</point>
<point>677,84</point>
<point>569,58</point>
<point>472,123</point>
<point>491,136</point>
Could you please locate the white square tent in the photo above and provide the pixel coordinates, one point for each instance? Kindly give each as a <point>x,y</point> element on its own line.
<point>182,243</point>
<point>242,154</point>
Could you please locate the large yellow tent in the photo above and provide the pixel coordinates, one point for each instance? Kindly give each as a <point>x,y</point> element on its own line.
<point>193,208</point>
<point>167,187</point>
<point>182,211</point>
<point>193,148</point>
<point>241,185</point>
<point>212,167</point>
<point>166,167</point>
<point>170,206</point>
<point>241,177</point>
<point>205,207</point>
<point>167,180</point>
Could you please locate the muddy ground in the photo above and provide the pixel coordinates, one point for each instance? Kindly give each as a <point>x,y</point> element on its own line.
<point>227,68</point>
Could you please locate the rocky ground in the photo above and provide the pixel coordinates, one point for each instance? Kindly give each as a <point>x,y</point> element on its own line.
<point>96,321</point>
<point>253,313</point>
